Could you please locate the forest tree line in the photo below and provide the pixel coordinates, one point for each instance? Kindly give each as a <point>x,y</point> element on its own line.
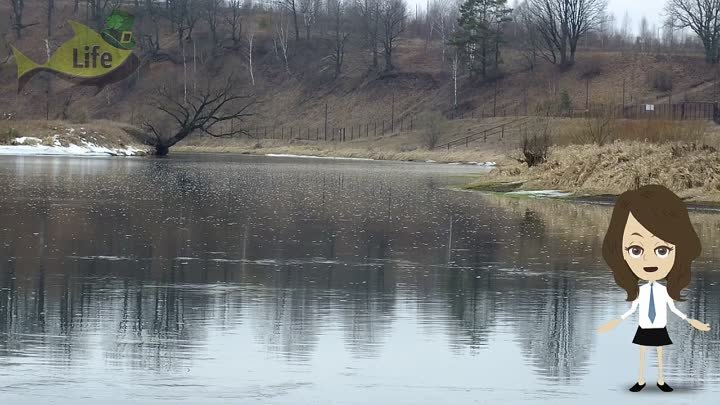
<point>472,33</point>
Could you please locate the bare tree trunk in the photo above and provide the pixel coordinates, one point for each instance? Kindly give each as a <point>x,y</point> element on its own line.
<point>297,29</point>
<point>283,39</point>
<point>18,7</point>
<point>455,63</point>
<point>185,92</point>
<point>251,37</point>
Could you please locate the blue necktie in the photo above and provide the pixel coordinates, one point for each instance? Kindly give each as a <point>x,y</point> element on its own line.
<point>651,310</point>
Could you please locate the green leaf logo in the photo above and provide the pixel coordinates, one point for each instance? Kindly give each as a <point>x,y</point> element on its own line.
<point>115,22</point>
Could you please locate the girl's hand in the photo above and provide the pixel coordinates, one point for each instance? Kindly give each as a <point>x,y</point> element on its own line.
<point>699,325</point>
<point>609,326</point>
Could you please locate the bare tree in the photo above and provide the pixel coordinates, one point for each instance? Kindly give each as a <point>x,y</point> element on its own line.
<point>50,12</point>
<point>455,64</point>
<point>339,34</point>
<point>292,7</point>
<point>703,18</point>
<point>668,32</point>
<point>18,6</point>
<point>251,39</point>
<point>393,14</point>
<point>233,18</point>
<point>184,14</point>
<point>211,10</point>
<point>213,111</point>
<point>561,23</point>
<point>310,10</point>
<point>150,42</point>
<point>625,30</point>
<point>443,18</point>
<point>528,37</point>
<point>369,12</point>
<point>281,39</point>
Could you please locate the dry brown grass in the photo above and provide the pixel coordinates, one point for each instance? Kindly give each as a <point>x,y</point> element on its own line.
<point>99,132</point>
<point>575,131</point>
<point>689,169</point>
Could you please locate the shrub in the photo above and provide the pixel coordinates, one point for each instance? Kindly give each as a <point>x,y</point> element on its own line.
<point>434,125</point>
<point>535,149</point>
<point>589,68</point>
<point>565,103</point>
<point>601,127</point>
<point>555,106</point>
<point>77,115</point>
<point>661,79</point>
<point>7,136</point>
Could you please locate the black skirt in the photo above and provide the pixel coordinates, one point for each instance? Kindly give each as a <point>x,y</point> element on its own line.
<point>652,337</point>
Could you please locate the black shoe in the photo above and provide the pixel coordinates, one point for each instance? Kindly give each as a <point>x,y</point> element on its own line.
<point>665,387</point>
<point>637,387</point>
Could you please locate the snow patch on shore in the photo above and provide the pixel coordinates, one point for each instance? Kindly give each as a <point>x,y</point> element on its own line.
<point>32,146</point>
<point>31,140</point>
<point>314,157</point>
<point>541,193</point>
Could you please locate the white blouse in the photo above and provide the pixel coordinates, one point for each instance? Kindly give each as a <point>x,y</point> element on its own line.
<point>662,301</point>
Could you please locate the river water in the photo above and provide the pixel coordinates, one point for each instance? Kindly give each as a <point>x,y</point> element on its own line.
<point>238,279</point>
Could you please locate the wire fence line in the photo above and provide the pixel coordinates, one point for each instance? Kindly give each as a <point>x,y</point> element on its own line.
<point>683,111</point>
<point>333,133</point>
<point>687,110</point>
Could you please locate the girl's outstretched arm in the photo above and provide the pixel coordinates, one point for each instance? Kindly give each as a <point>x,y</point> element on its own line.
<point>615,322</point>
<point>704,327</point>
<point>632,309</point>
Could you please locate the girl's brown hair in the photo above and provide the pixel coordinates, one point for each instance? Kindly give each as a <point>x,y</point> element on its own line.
<point>664,214</point>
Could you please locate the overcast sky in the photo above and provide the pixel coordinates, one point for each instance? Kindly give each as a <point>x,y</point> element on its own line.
<point>651,9</point>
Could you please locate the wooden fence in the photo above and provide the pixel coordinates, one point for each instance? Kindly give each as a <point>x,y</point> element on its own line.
<point>484,134</point>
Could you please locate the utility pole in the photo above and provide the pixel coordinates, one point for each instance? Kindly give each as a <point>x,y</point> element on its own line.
<point>623,98</point>
<point>587,94</point>
<point>326,119</point>
<point>392,115</point>
<point>495,99</point>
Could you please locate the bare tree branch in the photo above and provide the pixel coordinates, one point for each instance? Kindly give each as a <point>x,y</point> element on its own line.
<point>208,111</point>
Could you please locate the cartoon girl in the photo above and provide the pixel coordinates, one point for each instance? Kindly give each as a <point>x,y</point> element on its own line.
<point>650,238</point>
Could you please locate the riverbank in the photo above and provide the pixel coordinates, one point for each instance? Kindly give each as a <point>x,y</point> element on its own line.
<point>597,172</point>
<point>97,138</point>
<point>380,150</point>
